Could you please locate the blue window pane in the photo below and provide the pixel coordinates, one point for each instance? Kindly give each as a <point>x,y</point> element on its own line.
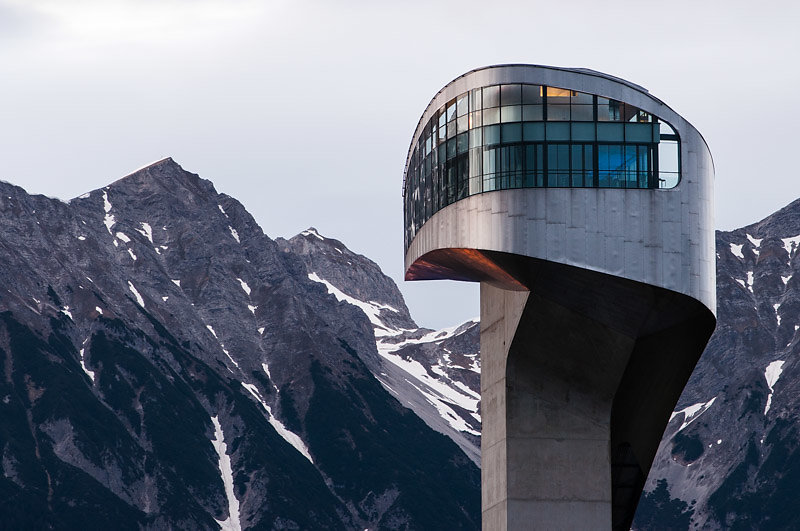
<point>533,131</point>
<point>583,132</point>
<point>511,133</point>
<point>558,131</point>
<point>491,135</point>
<point>609,132</point>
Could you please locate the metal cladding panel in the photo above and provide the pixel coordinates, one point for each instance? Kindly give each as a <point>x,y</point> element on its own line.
<point>660,237</point>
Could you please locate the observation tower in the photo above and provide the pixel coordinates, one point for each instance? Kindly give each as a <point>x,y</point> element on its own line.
<point>584,207</point>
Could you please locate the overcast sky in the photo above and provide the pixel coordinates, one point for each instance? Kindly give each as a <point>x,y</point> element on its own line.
<point>304,110</point>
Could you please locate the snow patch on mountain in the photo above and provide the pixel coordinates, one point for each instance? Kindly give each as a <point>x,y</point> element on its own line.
<point>771,374</point>
<point>289,436</point>
<point>737,250</point>
<point>692,413</point>
<point>232,523</point>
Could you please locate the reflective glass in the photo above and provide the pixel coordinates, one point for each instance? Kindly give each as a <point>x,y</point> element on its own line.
<point>491,135</point>
<point>533,131</point>
<point>557,131</point>
<point>475,137</point>
<point>637,132</point>
<point>609,132</point>
<point>475,119</point>
<point>461,105</point>
<point>557,111</point>
<point>451,129</point>
<point>491,96</point>
<point>582,113</point>
<point>583,131</point>
<point>462,123</point>
<point>462,143</point>
<point>451,110</point>
<point>581,98</point>
<point>608,110</point>
<point>510,94</point>
<point>491,116</point>
<point>510,113</point>
<point>475,100</point>
<point>531,113</point>
<point>532,94</point>
<point>451,148</point>
<point>511,133</point>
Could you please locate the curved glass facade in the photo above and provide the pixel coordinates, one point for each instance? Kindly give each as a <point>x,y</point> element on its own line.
<point>499,137</point>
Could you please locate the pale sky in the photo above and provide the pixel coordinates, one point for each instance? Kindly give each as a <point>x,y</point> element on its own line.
<point>304,110</point>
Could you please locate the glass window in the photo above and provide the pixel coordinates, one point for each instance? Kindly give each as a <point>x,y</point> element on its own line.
<point>534,166</point>
<point>558,165</point>
<point>451,148</point>
<point>475,137</point>
<point>532,94</point>
<point>451,128</point>
<point>510,94</point>
<point>511,133</point>
<point>512,113</point>
<point>451,110</point>
<point>491,116</point>
<point>637,132</point>
<point>608,110</point>
<point>462,143</point>
<point>475,119</point>
<point>532,113</point>
<point>533,131</point>
<point>491,135</point>
<point>557,111</point>
<point>610,166</point>
<point>475,100</point>
<point>581,98</point>
<point>558,131</point>
<point>491,96</point>
<point>582,113</point>
<point>462,123</point>
<point>461,105</point>
<point>583,131</point>
<point>489,168</point>
<point>609,132</point>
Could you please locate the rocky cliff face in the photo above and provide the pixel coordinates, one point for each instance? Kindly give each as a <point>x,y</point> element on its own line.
<point>167,365</point>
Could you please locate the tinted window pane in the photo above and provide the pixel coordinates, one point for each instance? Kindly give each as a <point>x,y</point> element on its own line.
<point>638,132</point>
<point>583,131</point>
<point>533,131</point>
<point>510,95</point>
<point>491,96</point>
<point>510,113</point>
<point>609,132</point>
<point>461,105</point>
<point>475,119</point>
<point>531,113</point>
<point>532,94</point>
<point>451,111</point>
<point>475,100</point>
<point>462,143</point>
<point>557,131</point>
<point>491,116</point>
<point>557,111</point>
<point>491,135</point>
<point>608,110</point>
<point>462,122</point>
<point>581,98</point>
<point>475,137</point>
<point>512,133</point>
<point>582,113</point>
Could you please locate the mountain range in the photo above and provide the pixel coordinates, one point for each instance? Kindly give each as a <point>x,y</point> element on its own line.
<point>166,365</point>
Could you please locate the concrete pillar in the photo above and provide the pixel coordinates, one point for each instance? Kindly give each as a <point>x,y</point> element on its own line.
<point>549,375</point>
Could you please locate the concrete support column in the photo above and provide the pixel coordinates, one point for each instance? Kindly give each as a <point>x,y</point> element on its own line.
<point>548,380</point>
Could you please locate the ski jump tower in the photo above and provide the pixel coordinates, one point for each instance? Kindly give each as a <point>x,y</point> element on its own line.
<point>584,207</point>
